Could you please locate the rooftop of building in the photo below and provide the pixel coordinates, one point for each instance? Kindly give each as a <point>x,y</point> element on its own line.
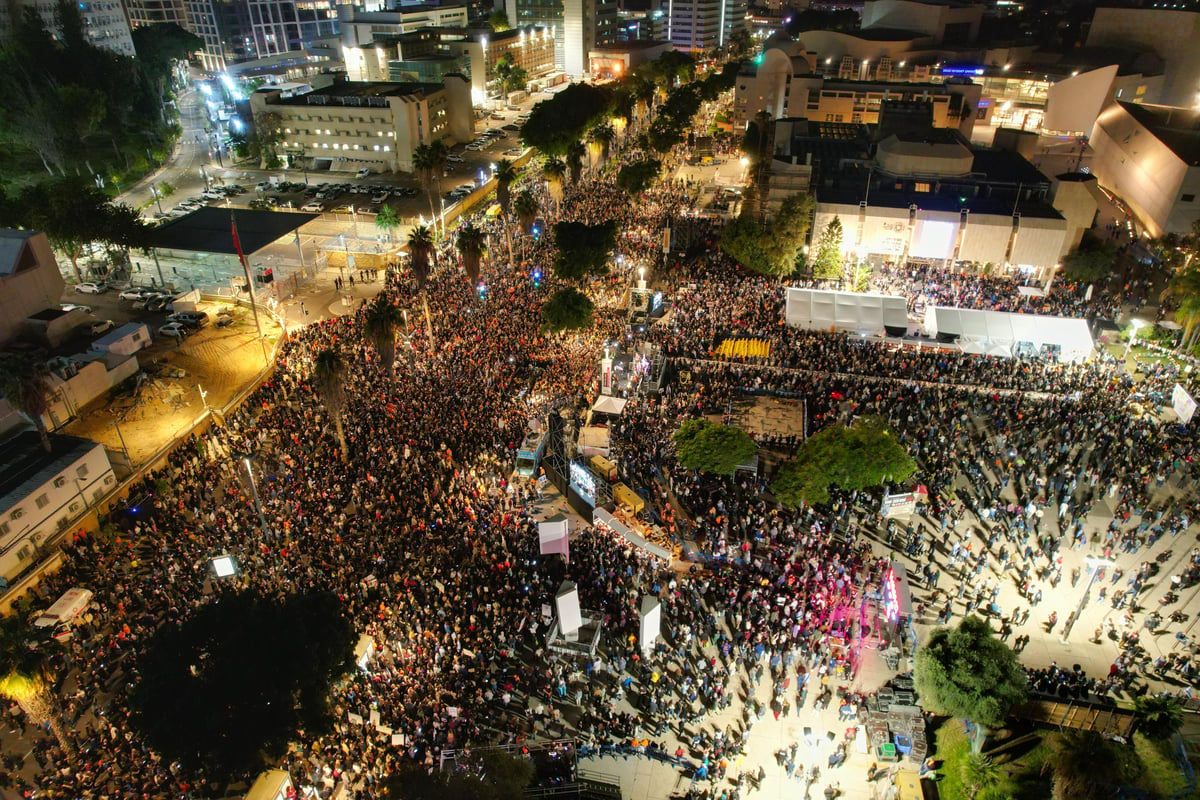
<point>629,46</point>
<point>25,465</point>
<point>363,89</point>
<point>877,34</point>
<point>208,230</point>
<point>14,255</point>
<point>1177,128</point>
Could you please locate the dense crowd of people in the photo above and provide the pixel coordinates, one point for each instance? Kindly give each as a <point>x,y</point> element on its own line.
<point>433,545</point>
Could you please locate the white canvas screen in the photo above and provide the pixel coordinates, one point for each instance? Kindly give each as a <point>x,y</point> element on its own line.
<point>1183,403</point>
<point>567,602</point>
<point>814,309</point>
<point>650,623</point>
<point>934,239</point>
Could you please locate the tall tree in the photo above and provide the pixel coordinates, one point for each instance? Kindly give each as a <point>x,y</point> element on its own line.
<point>574,157</point>
<point>387,219</point>
<point>329,373</point>
<point>429,161</point>
<point>1085,765</point>
<point>1159,717</point>
<point>555,123</point>
<point>525,206</point>
<point>567,310</point>
<point>967,672</point>
<point>420,251</point>
<point>861,456</point>
<point>231,685</point>
<point>379,326</point>
<point>770,248</point>
<point>712,448</point>
<point>583,249</point>
<point>554,172</point>
<point>472,245</point>
<point>827,263</point>
<point>25,381</point>
<point>506,174</point>
<point>24,678</point>
<point>637,176</point>
<point>600,139</point>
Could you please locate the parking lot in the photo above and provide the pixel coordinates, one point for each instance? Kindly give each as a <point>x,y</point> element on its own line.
<point>469,165</point>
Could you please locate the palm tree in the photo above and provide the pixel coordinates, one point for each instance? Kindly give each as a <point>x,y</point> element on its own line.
<point>599,140</point>
<point>380,328</point>
<point>1083,763</point>
<point>506,173</point>
<point>981,774</point>
<point>575,153</point>
<point>554,171</point>
<point>472,245</point>
<point>420,249</point>
<point>25,381</point>
<point>24,678</point>
<point>1161,717</point>
<point>429,160</point>
<point>387,220</point>
<point>329,371</point>
<point>1184,288</point>
<point>526,208</point>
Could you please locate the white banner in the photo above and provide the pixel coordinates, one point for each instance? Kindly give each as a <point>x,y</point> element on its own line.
<point>1183,403</point>
<point>899,505</point>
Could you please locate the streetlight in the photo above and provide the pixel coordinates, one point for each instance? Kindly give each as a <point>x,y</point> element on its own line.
<point>1094,564</point>
<point>262,520</point>
<point>1136,324</point>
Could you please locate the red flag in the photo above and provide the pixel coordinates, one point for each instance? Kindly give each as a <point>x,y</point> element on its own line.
<point>237,243</point>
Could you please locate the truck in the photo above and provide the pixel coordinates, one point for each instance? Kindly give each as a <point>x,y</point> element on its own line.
<point>66,609</point>
<point>530,453</point>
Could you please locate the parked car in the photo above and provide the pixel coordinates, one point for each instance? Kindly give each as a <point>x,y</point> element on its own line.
<point>190,319</point>
<point>342,210</point>
<point>134,293</point>
<point>173,330</point>
<point>455,159</point>
<point>91,287</point>
<point>379,198</point>
<point>512,127</point>
<point>213,194</point>
<point>74,307</point>
<point>364,172</point>
<point>313,206</point>
<point>159,303</point>
<point>514,151</point>
<point>100,326</point>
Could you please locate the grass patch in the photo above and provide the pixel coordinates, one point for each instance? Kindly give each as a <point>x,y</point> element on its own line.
<point>1160,773</point>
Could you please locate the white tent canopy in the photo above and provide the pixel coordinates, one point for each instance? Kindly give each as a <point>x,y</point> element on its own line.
<point>607,404</point>
<point>817,309</point>
<point>1006,334</point>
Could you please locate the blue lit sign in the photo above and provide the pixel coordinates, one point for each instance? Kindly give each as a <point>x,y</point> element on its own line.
<point>962,69</point>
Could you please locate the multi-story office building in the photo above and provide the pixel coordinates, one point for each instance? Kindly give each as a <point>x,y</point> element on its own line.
<point>700,25</point>
<point>149,12</point>
<point>431,53</point>
<point>360,28</point>
<point>104,21</point>
<point>351,125</point>
<point>586,23</point>
<point>240,30</point>
<point>543,13</point>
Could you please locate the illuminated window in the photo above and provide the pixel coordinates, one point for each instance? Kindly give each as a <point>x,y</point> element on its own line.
<point>920,187</point>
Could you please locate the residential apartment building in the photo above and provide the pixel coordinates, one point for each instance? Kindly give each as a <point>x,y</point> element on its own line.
<point>701,25</point>
<point>359,28</point>
<point>45,495</point>
<point>543,13</point>
<point>352,125</point>
<point>1149,156</point>
<point>104,21</point>
<point>586,24</point>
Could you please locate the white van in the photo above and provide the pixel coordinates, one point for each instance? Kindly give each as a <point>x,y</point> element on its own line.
<point>66,609</point>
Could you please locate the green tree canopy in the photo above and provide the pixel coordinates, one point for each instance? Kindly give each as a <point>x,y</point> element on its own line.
<point>487,774</point>
<point>583,249</point>
<point>555,123</point>
<point>770,249</point>
<point>160,43</point>
<point>827,263</point>
<point>860,456</point>
<point>498,21</point>
<point>567,310</point>
<point>713,448</point>
<point>1085,765</point>
<point>1092,261</point>
<point>1159,717</point>
<point>637,176</point>
<point>238,678</point>
<point>967,672</point>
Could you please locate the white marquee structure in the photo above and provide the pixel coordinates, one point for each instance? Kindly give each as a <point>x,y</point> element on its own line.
<point>869,314</point>
<point>1009,335</point>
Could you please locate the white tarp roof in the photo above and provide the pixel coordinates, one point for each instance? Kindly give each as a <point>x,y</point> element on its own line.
<point>607,404</point>
<point>819,309</point>
<point>1001,333</point>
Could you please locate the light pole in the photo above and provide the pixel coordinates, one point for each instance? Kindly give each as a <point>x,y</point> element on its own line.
<point>157,197</point>
<point>1094,564</point>
<point>1136,324</point>
<point>262,520</point>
